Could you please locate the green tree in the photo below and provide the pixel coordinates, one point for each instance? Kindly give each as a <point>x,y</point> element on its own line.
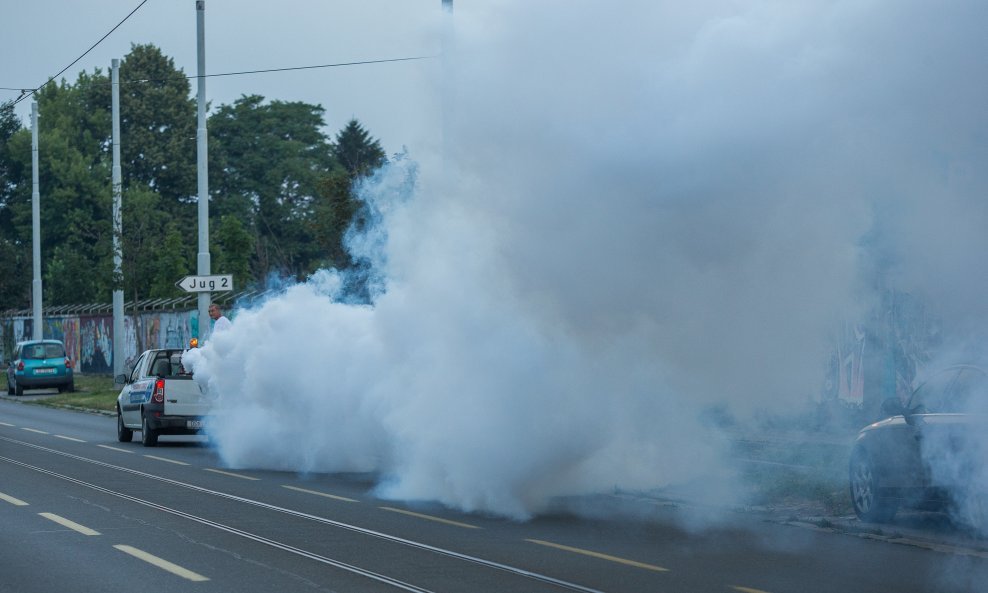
<point>357,151</point>
<point>270,158</point>
<point>74,196</point>
<point>9,125</point>
<point>337,209</point>
<point>144,225</point>
<point>158,129</point>
<point>281,191</point>
<point>233,247</point>
<point>174,255</point>
<point>16,285</point>
<point>332,215</point>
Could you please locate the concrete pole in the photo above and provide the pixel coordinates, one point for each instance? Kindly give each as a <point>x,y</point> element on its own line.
<point>445,84</point>
<point>118,296</point>
<point>38,330</point>
<point>203,260</point>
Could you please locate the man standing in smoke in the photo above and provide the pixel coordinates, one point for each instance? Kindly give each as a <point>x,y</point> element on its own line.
<point>220,322</point>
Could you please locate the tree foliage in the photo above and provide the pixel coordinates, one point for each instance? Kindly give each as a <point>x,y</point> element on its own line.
<point>13,259</point>
<point>357,151</point>
<point>281,192</point>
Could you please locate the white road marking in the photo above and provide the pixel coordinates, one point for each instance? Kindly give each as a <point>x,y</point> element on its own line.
<point>58,436</point>
<point>161,563</point>
<point>317,493</point>
<point>70,524</point>
<point>593,554</point>
<point>231,474</point>
<point>114,448</point>
<point>165,459</point>
<point>14,501</point>
<point>430,518</point>
<point>34,430</point>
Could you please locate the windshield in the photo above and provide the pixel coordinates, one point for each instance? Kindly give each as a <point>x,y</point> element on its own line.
<point>42,351</point>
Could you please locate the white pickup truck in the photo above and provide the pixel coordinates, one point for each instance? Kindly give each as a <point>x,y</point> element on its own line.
<point>159,397</point>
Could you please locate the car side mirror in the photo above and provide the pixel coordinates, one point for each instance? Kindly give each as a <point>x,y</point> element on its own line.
<point>121,379</point>
<point>893,407</point>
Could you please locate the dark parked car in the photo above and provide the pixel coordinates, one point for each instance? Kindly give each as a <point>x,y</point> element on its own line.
<point>39,364</point>
<point>929,454</point>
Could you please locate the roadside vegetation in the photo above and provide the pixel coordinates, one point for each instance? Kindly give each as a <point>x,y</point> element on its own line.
<point>92,392</point>
<point>801,477</point>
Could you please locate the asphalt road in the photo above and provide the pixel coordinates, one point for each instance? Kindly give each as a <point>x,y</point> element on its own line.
<point>81,512</point>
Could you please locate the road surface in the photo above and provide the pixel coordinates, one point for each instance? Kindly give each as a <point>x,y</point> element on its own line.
<point>82,512</point>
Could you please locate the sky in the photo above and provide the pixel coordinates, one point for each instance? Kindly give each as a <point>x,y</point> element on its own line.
<point>392,100</point>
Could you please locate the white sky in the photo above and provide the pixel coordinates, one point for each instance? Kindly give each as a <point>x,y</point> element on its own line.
<point>392,100</point>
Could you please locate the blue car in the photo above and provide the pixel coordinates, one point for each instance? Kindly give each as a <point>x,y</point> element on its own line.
<point>39,364</point>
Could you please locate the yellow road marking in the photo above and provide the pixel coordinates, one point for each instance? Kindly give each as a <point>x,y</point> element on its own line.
<point>333,496</point>
<point>166,459</point>
<point>161,563</point>
<point>219,471</point>
<point>747,589</point>
<point>14,501</point>
<point>430,518</point>
<point>70,524</point>
<point>58,436</point>
<point>114,448</point>
<point>33,430</point>
<point>599,555</point>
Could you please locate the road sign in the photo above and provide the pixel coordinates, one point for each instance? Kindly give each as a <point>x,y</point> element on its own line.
<point>216,283</point>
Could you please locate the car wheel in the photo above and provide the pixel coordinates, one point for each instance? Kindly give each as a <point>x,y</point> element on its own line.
<point>124,434</point>
<point>149,436</point>
<point>864,483</point>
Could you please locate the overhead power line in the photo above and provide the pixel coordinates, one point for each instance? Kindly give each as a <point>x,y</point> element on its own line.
<point>24,95</point>
<point>261,71</point>
<point>244,72</point>
<point>287,69</point>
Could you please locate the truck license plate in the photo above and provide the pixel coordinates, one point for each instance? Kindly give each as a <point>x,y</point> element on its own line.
<point>193,424</point>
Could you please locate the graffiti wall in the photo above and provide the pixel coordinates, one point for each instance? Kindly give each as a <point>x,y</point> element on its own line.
<point>882,357</point>
<point>96,345</point>
<point>89,338</point>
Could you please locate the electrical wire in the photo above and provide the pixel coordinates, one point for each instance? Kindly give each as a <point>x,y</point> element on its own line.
<point>25,95</point>
<point>244,72</point>
<point>287,69</point>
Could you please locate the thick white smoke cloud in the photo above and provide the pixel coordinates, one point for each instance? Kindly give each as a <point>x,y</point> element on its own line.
<point>645,210</point>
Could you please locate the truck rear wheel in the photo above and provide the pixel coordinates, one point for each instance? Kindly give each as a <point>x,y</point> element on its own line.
<point>149,436</point>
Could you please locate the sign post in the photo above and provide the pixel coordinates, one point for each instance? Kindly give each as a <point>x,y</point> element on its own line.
<point>214,283</point>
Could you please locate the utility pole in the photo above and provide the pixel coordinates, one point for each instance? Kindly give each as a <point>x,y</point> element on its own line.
<point>203,260</point>
<point>445,85</point>
<point>38,330</point>
<point>118,295</point>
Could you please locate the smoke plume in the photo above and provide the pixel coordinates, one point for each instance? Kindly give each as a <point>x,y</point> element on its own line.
<point>642,213</point>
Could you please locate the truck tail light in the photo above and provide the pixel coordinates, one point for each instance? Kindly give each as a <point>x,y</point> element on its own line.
<point>158,396</point>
